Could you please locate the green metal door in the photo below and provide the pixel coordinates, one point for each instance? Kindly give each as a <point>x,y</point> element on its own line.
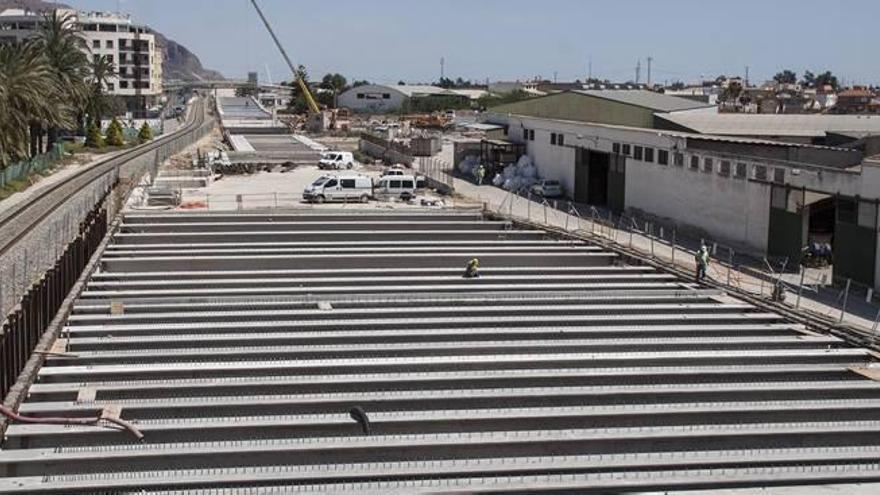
<point>855,240</point>
<point>581,175</point>
<point>617,183</point>
<point>786,235</point>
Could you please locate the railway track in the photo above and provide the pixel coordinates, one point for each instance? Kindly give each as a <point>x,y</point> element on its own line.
<point>17,222</point>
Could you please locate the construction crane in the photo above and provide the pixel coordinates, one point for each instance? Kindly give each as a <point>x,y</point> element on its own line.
<point>314,109</point>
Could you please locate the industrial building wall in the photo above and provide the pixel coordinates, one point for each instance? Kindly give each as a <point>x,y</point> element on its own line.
<point>580,108</point>
<point>733,211</point>
<point>373,99</point>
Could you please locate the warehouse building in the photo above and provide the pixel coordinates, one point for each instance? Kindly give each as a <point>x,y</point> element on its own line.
<point>379,98</point>
<point>761,196</point>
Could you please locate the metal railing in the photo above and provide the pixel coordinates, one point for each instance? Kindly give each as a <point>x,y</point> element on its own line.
<point>835,300</point>
<point>198,201</point>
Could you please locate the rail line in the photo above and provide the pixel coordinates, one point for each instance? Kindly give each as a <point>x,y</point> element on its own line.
<point>22,219</point>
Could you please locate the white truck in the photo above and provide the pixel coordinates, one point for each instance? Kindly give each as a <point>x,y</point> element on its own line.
<point>344,187</point>
<point>336,160</point>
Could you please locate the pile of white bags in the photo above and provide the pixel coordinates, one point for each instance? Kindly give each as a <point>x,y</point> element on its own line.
<point>522,175</point>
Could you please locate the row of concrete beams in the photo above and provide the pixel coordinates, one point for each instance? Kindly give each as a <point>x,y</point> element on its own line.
<point>240,351</point>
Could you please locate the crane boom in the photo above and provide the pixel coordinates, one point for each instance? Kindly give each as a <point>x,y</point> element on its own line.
<point>313,105</point>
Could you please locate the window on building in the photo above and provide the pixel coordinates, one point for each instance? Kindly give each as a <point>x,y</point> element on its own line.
<point>741,171</point>
<point>663,157</point>
<point>627,149</point>
<point>123,84</point>
<point>638,153</point>
<point>760,172</point>
<point>779,175</point>
<point>724,168</point>
<point>847,211</point>
<point>111,87</point>
<point>109,44</point>
<point>528,134</point>
<point>553,138</point>
<point>649,155</point>
<point>96,44</point>
<point>695,163</point>
<point>678,159</point>
<point>360,96</point>
<point>615,148</point>
<point>109,58</point>
<point>708,165</point>
<point>386,96</point>
<point>560,140</point>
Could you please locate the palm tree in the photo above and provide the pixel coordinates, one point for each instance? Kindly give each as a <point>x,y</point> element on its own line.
<point>28,93</point>
<point>101,71</point>
<point>65,50</point>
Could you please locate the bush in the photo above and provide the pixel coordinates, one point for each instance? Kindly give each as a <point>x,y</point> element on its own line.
<point>362,157</point>
<point>115,136</point>
<point>146,133</point>
<point>94,139</point>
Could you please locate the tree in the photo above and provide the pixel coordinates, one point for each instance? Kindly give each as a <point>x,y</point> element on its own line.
<point>28,92</point>
<point>93,137</point>
<point>101,71</point>
<point>677,86</point>
<point>491,100</point>
<point>732,92</point>
<point>827,78</point>
<point>809,80</point>
<point>245,91</point>
<point>146,133</point>
<point>356,84</point>
<point>785,77</point>
<point>65,51</point>
<point>334,82</point>
<point>115,136</point>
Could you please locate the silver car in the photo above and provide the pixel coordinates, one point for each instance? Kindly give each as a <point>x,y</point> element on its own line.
<point>547,188</point>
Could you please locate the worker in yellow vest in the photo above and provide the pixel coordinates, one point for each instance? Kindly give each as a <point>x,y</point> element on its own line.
<point>472,269</point>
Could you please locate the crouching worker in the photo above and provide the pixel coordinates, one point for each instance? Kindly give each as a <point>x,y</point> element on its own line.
<point>472,269</point>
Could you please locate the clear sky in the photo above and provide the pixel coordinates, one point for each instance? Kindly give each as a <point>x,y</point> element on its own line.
<point>391,40</point>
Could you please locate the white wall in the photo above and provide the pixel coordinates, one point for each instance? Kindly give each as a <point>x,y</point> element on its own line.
<point>734,211</point>
<point>731,210</point>
<point>373,100</point>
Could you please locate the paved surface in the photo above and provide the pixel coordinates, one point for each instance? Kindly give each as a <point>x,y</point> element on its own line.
<point>241,344</point>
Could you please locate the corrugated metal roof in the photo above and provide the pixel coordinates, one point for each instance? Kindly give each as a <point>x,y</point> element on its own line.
<point>737,124</point>
<point>646,99</point>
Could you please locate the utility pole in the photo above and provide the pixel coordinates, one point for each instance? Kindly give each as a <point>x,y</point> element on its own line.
<point>650,59</point>
<point>590,70</point>
<point>638,71</point>
<point>747,76</point>
<point>442,68</point>
<point>555,77</point>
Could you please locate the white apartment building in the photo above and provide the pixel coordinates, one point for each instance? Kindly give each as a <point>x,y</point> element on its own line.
<point>132,49</point>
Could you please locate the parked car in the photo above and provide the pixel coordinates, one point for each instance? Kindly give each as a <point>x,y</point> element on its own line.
<point>397,186</point>
<point>336,160</point>
<point>349,187</point>
<point>394,171</point>
<point>547,188</point>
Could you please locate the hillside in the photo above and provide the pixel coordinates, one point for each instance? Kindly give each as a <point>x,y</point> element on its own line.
<point>179,63</point>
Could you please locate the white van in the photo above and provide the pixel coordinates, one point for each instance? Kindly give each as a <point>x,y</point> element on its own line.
<point>351,187</point>
<point>336,160</point>
<point>398,186</point>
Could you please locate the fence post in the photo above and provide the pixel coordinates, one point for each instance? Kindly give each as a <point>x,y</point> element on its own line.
<point>651,237</point>
<point>729,264</point>
<point>673,247</point>
<point>545,212</point>
<point>845,298</point>
<point>800,288</point>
